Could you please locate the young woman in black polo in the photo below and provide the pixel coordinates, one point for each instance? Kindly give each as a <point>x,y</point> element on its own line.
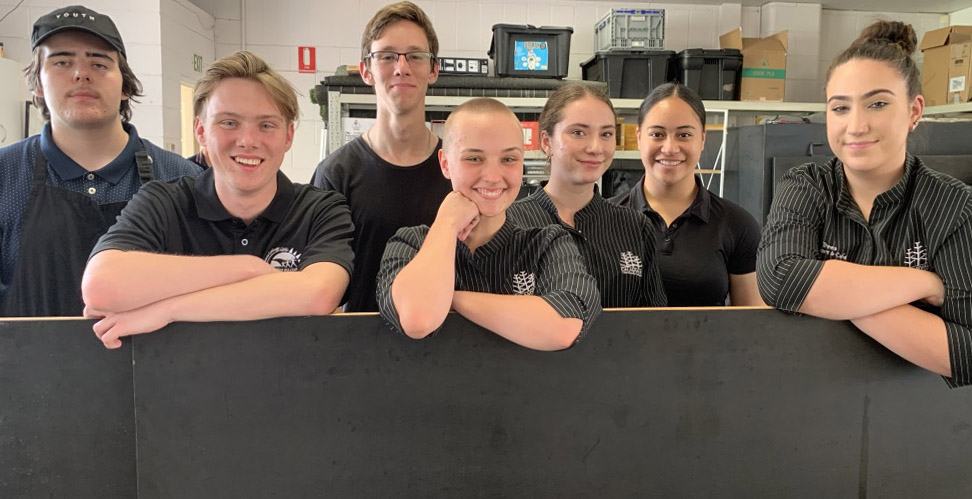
<point>618,244</point>
<point>706,245</point>
<point>874,236</point>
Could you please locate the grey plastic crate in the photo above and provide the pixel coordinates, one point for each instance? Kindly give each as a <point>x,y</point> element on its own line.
<point>630,29</point>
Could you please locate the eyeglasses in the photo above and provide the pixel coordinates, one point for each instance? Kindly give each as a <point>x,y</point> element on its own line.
<point>390,57</point>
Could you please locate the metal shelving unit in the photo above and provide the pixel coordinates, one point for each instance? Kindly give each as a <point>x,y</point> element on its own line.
<point>339,106</point>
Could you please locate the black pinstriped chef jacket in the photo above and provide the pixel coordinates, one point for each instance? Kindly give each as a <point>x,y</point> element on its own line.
<point>617,243</point>
<point>924,221</point>
<point>516,261</point>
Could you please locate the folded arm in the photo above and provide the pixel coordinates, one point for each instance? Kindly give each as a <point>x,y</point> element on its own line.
<point>116,281</point>
<point>846,290</point>
<point>525,320</point>
<point>916,335</point>
<point>316,290</point>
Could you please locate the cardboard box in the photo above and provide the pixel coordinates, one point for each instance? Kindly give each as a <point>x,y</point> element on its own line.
<point>943,79</point>
<point>959,74</point>
<point>630,137</point>
<point>764,64</point>
<point>531,135</point>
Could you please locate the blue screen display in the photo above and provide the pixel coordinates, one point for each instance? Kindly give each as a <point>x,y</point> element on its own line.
<point>530,56</point>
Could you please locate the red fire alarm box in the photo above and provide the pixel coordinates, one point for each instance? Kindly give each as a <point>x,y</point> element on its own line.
<point>306,60</point>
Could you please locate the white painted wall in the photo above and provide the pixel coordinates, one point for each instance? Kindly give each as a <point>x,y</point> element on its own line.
<point>963,16</point>
<point>186,31</point>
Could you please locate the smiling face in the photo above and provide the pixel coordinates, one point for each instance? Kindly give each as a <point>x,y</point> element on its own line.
<point>484,159</point>
<point>400,87</point>
<point>582,144</point>
<point>246,137</point>
<point>80,81</point>
<point>869,115</point>
<point>670,140</point>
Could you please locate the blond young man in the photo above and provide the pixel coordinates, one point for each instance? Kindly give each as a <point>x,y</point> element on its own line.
<point>240,242</point>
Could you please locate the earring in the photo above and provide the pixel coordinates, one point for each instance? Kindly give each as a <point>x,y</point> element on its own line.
<point>914,125</point>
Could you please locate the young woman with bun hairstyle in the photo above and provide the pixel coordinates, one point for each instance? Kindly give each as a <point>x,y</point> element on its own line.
<point>577,134</point>
<point>706,245</point>
<point>874,236</point>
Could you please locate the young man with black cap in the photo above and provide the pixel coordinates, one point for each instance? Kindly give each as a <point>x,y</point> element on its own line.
<point>238,242</point>
<point>390,175</point>
<point>62,189</point>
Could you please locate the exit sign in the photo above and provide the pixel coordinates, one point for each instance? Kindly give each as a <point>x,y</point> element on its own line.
<point>197,63</point>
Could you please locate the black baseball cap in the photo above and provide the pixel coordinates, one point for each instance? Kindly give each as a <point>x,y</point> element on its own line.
<point>77,18</point>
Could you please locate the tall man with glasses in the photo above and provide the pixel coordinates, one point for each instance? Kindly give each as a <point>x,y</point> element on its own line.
<point>390,175</point>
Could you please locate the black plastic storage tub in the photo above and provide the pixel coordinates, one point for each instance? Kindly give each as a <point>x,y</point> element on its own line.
<point>713,74</point>
<point>528,51</point>
<point>629,75</point>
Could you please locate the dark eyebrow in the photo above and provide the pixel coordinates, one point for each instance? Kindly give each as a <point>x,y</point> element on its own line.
<point>868,95</point>
<point>690,127</point>
<point>586,126</point>
<point>410,48</point>
<point>68,53</point>
<point>102,55</point>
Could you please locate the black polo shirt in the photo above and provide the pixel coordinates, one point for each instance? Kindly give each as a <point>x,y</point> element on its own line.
<point>302,225</point>
<point>698,251</point>
<point>617,243</point>
<point>384,198</point>
<point>924,221</point>
<point>516,261</point>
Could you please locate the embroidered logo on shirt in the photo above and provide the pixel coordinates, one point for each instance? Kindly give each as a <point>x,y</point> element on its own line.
<point>523,283</point>
<point>630,264</point>
<point>830,251</point>
<point>284,259</point>
<point>916,256</point>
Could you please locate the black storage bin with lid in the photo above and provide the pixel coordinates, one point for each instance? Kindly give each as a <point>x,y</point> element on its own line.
<point>713,73</point>
<point>630,75</point>
<point>528,51</point>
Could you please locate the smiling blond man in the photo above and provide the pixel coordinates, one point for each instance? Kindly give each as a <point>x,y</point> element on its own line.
<point>240,242</point>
